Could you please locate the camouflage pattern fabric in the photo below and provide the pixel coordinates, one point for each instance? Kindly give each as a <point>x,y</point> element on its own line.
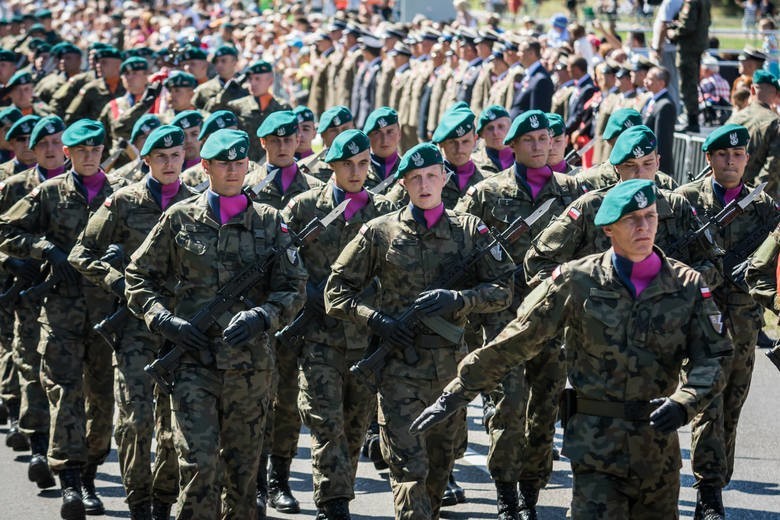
<point>603,175</point>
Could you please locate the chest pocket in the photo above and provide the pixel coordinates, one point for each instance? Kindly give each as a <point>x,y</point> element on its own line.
<point>191,241</point>
<point>403,252</point>
<point>602,306</point>
<point>505,211</point>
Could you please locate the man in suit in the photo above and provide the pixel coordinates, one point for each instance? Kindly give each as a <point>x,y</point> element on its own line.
<point>660,114</point>
<point>583,91</point>
<point>536,89</point>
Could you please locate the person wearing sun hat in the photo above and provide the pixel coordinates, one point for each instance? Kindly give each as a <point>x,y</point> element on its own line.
<point>337,413</point>
<point>81,414</point>
<point>498,200</point>
<point>89,102</point>
<point>420,465</point>
<point>714,431</point>
<point>233,393</point>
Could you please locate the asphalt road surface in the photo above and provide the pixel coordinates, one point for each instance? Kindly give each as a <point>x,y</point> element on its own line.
<point>754,492</point>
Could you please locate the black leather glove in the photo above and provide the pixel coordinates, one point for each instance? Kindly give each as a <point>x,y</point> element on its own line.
<point>669,415</point>
<point>179,331</point>
<point>438,302</point>
<point>23,269</point>
<point>60,267</point>
<point>390,329</point>
<point>114,255</point>
<point>245,326</point>
<point>315,298</point>
<point>152,91</point>
<point>446,405</point>
<point>118,288</point>
<point>738,274</point>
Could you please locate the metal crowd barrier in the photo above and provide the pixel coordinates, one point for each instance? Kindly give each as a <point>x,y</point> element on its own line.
<point>688,157</point>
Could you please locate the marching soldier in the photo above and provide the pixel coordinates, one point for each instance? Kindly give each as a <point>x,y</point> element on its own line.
<point>194,175</point>
<point>190,121</point>
<point>121,113</point>
<point>125,219</point>
<point>68,59</point>
<point>558,141</point>
<point>180,88</point>
<point>225,60</point>
<point>8,116</point>
<point>307,129</point>
<point>135,168</point>
<point>332,122</point>
<point>64,95</point>
<point>18,136</point>
<point>761,277</point>
<point>492,155</point>
<point>384,134</point>
<point>96,94</point>
<point>407,249</point>
<point>20,91</point>
<point>219,405</point>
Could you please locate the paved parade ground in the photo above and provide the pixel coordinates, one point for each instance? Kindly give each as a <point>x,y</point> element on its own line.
<point>753,494</point>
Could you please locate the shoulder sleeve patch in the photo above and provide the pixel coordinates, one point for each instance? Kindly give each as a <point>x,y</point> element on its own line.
<point>291,204</point>
<point>482,228</point>
<point>284,227</point>
<point>2,186</point>
<point>363,229</point>
<point>34,193</point>
<point>471,191</point>
<point>108,202</point>
<point>705,292</point>
<point>574,213</point>
<point>556,273</point>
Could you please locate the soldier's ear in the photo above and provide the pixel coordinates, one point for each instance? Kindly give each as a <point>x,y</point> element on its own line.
<point>607,230</point>
<point>66,151</point>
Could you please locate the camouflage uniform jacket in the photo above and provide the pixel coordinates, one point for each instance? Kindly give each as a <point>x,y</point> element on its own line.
<point>250,117</point>
<point>573,235</point>
<point>604,175</point>
<point>125,218</point>
<point>314,166</point>
<point>66,92</point>
<point>450,195</point>
<point>272,194</point>
<point>322,252</point>
<point>619,349</point>
<point>195,176</point>
<point>762,273</point>
<point>48,85</point>
<point>91,100</point>
<point>484,163</point>
<point>376,174</point>
<point>10,168</point>
<point>207,91</point>
<point>119,116</point>
<point>191,248</point>
<point>763,147</point>
<point>408,258</point>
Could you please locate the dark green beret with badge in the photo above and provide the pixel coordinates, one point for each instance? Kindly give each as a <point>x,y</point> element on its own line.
<point>303,114</point>
<point>46,126</point>
<point>217,121</point>
<point>620,120</point>
<point>347,144</point>
<point>22,127</point>
<point>188,119</point>
<point>528,121</point>
<point>557,127</point>
<point>145,124</point>
<point>225,50</point>
<point>84,132</point>
<point>419,156</point>
<point>6,55</point>
<point>281,123</point>
<point>95,46</point>
<point>134,63</point>
<point>181,79</point>
<point>63,48</point>
<point>260,67</point>
<point>634,143</point>
<point>43,48</point>
<point>489,115</point>
<point>162,137</point>
<point>193,53</point>
<point>140,52</point>
<point>764,77</point>
<point>727,136</point>
<point>20,78</point>
<point>334,116</point>
<point>226,145</point>
<point>42,14</point>
<point>36,28</point>
<point>107,52</point>
<point>380,118</point>
<point>456,122</point>
<point>10,115</point>
<point>626,197</point>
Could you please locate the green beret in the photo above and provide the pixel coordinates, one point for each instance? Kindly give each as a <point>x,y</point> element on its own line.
<point>193,53</point>
<point>620,119</point>
<point>419,156</point>
<point>145,124</point>
<point>380,118</point>
<point>260,67</point>
<point>87,132</point>
<point>347,144</point>
<point>624,198</point>
<point>225,50</point>
<point>20,78</point>
<point>765,77</point>
<point>334,116</point>
<point>63,48</point>
<point>303,114</point>
<point>46,126</point>
<point>134,63</point>
<point>41,14</point>
<point>226,145</point>
<point>165,136</point>
<point>458,105</point>
<point>107,52</point>
<point>6,55</point>
<point>43,48</point>
<point>10,115</point>
<point>141,52</point>
<point>557,127</point>
<point>489,115</point>
<point>216,121</point>
<point>727,136</point>
<point>454,123</point>
<point>528,121</point>
<point>179,78</point>
<point>279,123</point>
<point>95,46</point>
<point>634,143</point>
<point>22,127</point>
<point>36,27</point>
<point>187,119</point>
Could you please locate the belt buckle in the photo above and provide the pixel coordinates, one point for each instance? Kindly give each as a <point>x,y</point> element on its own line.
<point>636,410</point>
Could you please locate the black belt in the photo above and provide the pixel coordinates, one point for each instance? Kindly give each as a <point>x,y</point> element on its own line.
<point>628,410</point>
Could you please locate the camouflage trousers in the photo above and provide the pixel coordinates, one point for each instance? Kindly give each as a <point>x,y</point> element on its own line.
<point>141,407</point>
<point>337,408</point>
<point>601,496</point>
<point>218,421</point>
<point>714,430</point>
<point>77,379</point>
<point>34,413</point>
<point>420,465</point>
<point>283,426</point>
<point>9,379</point>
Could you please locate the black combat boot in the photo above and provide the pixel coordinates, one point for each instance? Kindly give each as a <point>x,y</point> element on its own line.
<point>92,502</point>
<point>709,504</point>
<point>337,509</point>
<point>15,438</point>
<point>371,447</point>
<point>507,500</point>
<point>527,503</point>
<point>279,495</point>
<point>453,494</point>
<point>262,487</point>
<point>3,411</point>
<point>160,510</point>
<point>72,506</point>
<point>38,471</point>
<point>142,511</point>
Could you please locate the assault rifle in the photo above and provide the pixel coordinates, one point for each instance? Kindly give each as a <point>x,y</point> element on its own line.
<point>378,352</point>
<point>702,173</point>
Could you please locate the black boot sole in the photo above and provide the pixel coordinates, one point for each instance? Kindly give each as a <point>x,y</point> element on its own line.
<point>39,473</point>
<point>94,509</point>
<point>288,509</point>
